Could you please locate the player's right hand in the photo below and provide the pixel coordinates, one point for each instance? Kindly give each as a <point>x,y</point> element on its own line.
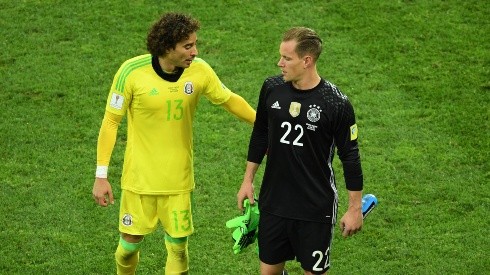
<point>102,192</point>
<point>246,192</point>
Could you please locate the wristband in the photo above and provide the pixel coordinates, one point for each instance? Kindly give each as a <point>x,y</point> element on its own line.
<point>101,172</point>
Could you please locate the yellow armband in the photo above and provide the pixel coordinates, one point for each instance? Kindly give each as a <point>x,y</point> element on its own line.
<point>240,108</point>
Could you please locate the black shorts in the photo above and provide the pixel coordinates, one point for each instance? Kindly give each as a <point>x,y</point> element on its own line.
<point>281,239</point>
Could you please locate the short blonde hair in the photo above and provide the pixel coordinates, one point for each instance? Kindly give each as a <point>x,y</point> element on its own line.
<point>308,41</point>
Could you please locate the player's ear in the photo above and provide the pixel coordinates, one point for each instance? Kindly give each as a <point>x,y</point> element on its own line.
<point>307,61</point>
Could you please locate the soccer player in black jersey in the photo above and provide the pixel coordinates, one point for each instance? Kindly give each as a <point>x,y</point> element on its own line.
<point>301,119</point>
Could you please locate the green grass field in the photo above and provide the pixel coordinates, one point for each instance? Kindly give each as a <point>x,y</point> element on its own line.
<point>417,72</point>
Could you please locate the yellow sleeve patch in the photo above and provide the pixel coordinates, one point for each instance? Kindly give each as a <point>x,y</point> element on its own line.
<point>353,132</point>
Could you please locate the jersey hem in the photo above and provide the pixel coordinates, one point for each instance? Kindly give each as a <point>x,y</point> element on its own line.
<point>306,219</point>
<point>157,193</point>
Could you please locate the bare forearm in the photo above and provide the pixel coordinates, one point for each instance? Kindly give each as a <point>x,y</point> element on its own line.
<point>355,200</point>
<point>247,187</point>
<point>250,171</point>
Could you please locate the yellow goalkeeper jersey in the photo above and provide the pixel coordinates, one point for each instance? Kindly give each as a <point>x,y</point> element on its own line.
<point>159,154</point>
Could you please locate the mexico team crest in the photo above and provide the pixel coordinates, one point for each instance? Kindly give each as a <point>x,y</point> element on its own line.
<point>127,220</point>
<point>294,109</point>
<point>188,88</point>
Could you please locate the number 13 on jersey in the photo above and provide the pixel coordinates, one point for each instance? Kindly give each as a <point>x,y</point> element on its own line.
<point>175,110</point>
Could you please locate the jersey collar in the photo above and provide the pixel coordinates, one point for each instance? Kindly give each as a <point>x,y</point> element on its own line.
<point>169,77</point>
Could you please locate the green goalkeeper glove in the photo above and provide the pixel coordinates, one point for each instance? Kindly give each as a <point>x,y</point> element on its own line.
<point>246,225</point>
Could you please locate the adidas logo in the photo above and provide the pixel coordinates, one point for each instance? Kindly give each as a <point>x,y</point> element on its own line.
<point>154,92</point>
<point>276,105</point>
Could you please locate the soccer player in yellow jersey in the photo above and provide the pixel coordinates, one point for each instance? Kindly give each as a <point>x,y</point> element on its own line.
<point>159,93</point>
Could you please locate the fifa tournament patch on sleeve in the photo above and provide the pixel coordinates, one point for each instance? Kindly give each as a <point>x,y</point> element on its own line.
<point>117,101</point>
<point>353,132</point>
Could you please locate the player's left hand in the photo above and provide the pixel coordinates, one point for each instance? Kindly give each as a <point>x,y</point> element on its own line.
<point>351,222</point>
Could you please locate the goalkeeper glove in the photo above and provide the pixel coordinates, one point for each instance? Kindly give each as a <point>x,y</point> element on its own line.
<point>369,201</point>
<point>246,225</point>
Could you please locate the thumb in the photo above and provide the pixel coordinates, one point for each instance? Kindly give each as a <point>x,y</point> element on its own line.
<point>240,204</point>
<point>251,199</point>
<point>111,197</point>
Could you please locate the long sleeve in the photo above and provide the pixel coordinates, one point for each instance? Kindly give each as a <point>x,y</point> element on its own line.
<point>259,139</point>
<point>240,108</point>
<point>348,150</point>
<point>107,138</point>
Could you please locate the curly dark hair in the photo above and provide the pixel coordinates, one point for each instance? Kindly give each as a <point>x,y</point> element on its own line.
<point>171,29</point>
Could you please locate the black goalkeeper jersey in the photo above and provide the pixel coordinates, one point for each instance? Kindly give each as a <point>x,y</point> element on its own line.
<point>299,130</point>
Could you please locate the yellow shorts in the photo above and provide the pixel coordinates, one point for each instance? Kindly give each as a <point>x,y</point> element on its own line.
<point>139,214</point>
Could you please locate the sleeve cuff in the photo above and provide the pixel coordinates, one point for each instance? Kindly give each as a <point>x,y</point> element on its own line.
<point>101,172</point>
